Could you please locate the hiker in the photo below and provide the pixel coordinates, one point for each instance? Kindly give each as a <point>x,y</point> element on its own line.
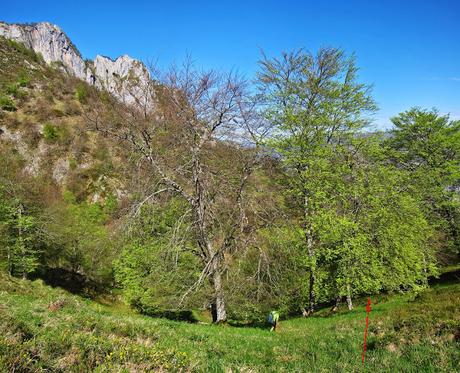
<point>273,318</point>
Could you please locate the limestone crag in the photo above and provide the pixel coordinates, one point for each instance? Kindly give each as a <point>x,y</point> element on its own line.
<point>126,78</point>
<point>50,41</point>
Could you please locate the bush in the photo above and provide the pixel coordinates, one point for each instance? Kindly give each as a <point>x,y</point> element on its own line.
<point>81,93</point>
<point>12,89</point>
<point>7,103</point>
<point>42,110</point>
<point>21,48</point>
<point>50,132</point>
<point>71,108</point>
<point>23,80</point>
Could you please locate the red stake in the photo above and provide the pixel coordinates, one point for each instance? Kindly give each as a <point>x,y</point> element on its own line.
<point>368,309</point>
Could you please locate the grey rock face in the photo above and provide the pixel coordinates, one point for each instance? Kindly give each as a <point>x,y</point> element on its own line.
<point>126,78</point>
<point>50,41</point>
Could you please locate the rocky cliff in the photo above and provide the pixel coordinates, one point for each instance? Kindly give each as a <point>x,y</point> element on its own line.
<point>48,40</point>
<point>126,78</point>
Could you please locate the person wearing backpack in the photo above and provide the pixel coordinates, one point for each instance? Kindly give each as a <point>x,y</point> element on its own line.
<point>273,318</point>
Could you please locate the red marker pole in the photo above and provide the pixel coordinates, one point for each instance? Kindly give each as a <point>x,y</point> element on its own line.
<point>368,310</point>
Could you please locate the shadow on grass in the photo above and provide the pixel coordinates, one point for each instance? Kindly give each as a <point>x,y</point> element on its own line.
<point>449,277</point>
<point>73,282</point>
<point>250,324</point>
<point>175,315</point>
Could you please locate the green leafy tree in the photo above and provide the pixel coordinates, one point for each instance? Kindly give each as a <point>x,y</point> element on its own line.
<point>18,237</point>
<point>77,238</point>
<point>373,234</point>
<point>316,106</point>
<point>156,265</point>
<point>25,255</point>
<point>427,145</point>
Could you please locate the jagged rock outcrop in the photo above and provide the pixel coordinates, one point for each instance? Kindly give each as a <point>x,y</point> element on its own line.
<point>48,40</point>
<point>126,78</point>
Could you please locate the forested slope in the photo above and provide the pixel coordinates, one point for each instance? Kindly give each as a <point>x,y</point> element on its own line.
<point>218,200</point>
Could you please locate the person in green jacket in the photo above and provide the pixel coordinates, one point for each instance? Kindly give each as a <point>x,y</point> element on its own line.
<point>273,318</point>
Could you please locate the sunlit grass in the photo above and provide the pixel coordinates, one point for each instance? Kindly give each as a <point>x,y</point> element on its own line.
<point>406,333</point>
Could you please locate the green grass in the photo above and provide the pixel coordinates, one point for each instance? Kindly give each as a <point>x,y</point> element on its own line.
<point>44,329</point>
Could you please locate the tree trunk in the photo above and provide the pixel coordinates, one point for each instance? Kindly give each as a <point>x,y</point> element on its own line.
<point>311,256</point>
<point>220,313</point>
<point>23,246</point>
<point>214,311</point>
<point>9,261</point>
<point>311,292</point>
<point>337,304</point>
<point>349,302</point>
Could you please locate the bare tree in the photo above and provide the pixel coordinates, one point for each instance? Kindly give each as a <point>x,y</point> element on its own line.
<point>200,142</point>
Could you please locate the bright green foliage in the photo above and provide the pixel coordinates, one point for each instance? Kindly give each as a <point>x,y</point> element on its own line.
<point>81,93</point>
<point>7,104</point>
<point>19,254</point>
<point>6,240</point>
<point>153,279</point>
<point>373,237</point>
<point>427,145</point>
<point>155,269</point>
<point>25,255</point>
<point>50,132</point>
<point>12,89</point>
<point>77,238</point>
<point>362,231</point>
<point>317,106</point>
<point>23,80</point>
<point>270,275</point>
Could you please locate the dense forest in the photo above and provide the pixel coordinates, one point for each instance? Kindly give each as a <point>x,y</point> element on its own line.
<point>228,196</point>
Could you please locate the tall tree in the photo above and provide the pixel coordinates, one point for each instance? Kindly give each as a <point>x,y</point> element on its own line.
<point>427,145</point>
<point>316,106</point>
<point>193,143</point>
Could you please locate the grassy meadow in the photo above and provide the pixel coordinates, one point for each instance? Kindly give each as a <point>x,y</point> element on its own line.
<point>46,329</point>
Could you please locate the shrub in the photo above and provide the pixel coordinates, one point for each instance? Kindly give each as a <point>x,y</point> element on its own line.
<point>71,108</point>
<point>7,103</point>
<point>23,80</point>
<point>73,163</point>
<point>50,132</point>
<point>81,93</point>
<point>43,110</point>
<point>64,135</point>
<point>21,48</point>
<point>12,89</point>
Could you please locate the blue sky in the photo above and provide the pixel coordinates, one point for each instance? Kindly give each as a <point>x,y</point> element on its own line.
<point>409,50</point>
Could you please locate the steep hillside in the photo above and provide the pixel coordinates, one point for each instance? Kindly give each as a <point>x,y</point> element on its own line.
<point>42,126</point>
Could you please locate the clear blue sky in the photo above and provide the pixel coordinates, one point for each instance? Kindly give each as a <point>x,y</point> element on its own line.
<point>409,50</point>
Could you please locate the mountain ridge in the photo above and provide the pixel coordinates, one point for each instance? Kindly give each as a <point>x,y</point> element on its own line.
<point>124,77</point>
